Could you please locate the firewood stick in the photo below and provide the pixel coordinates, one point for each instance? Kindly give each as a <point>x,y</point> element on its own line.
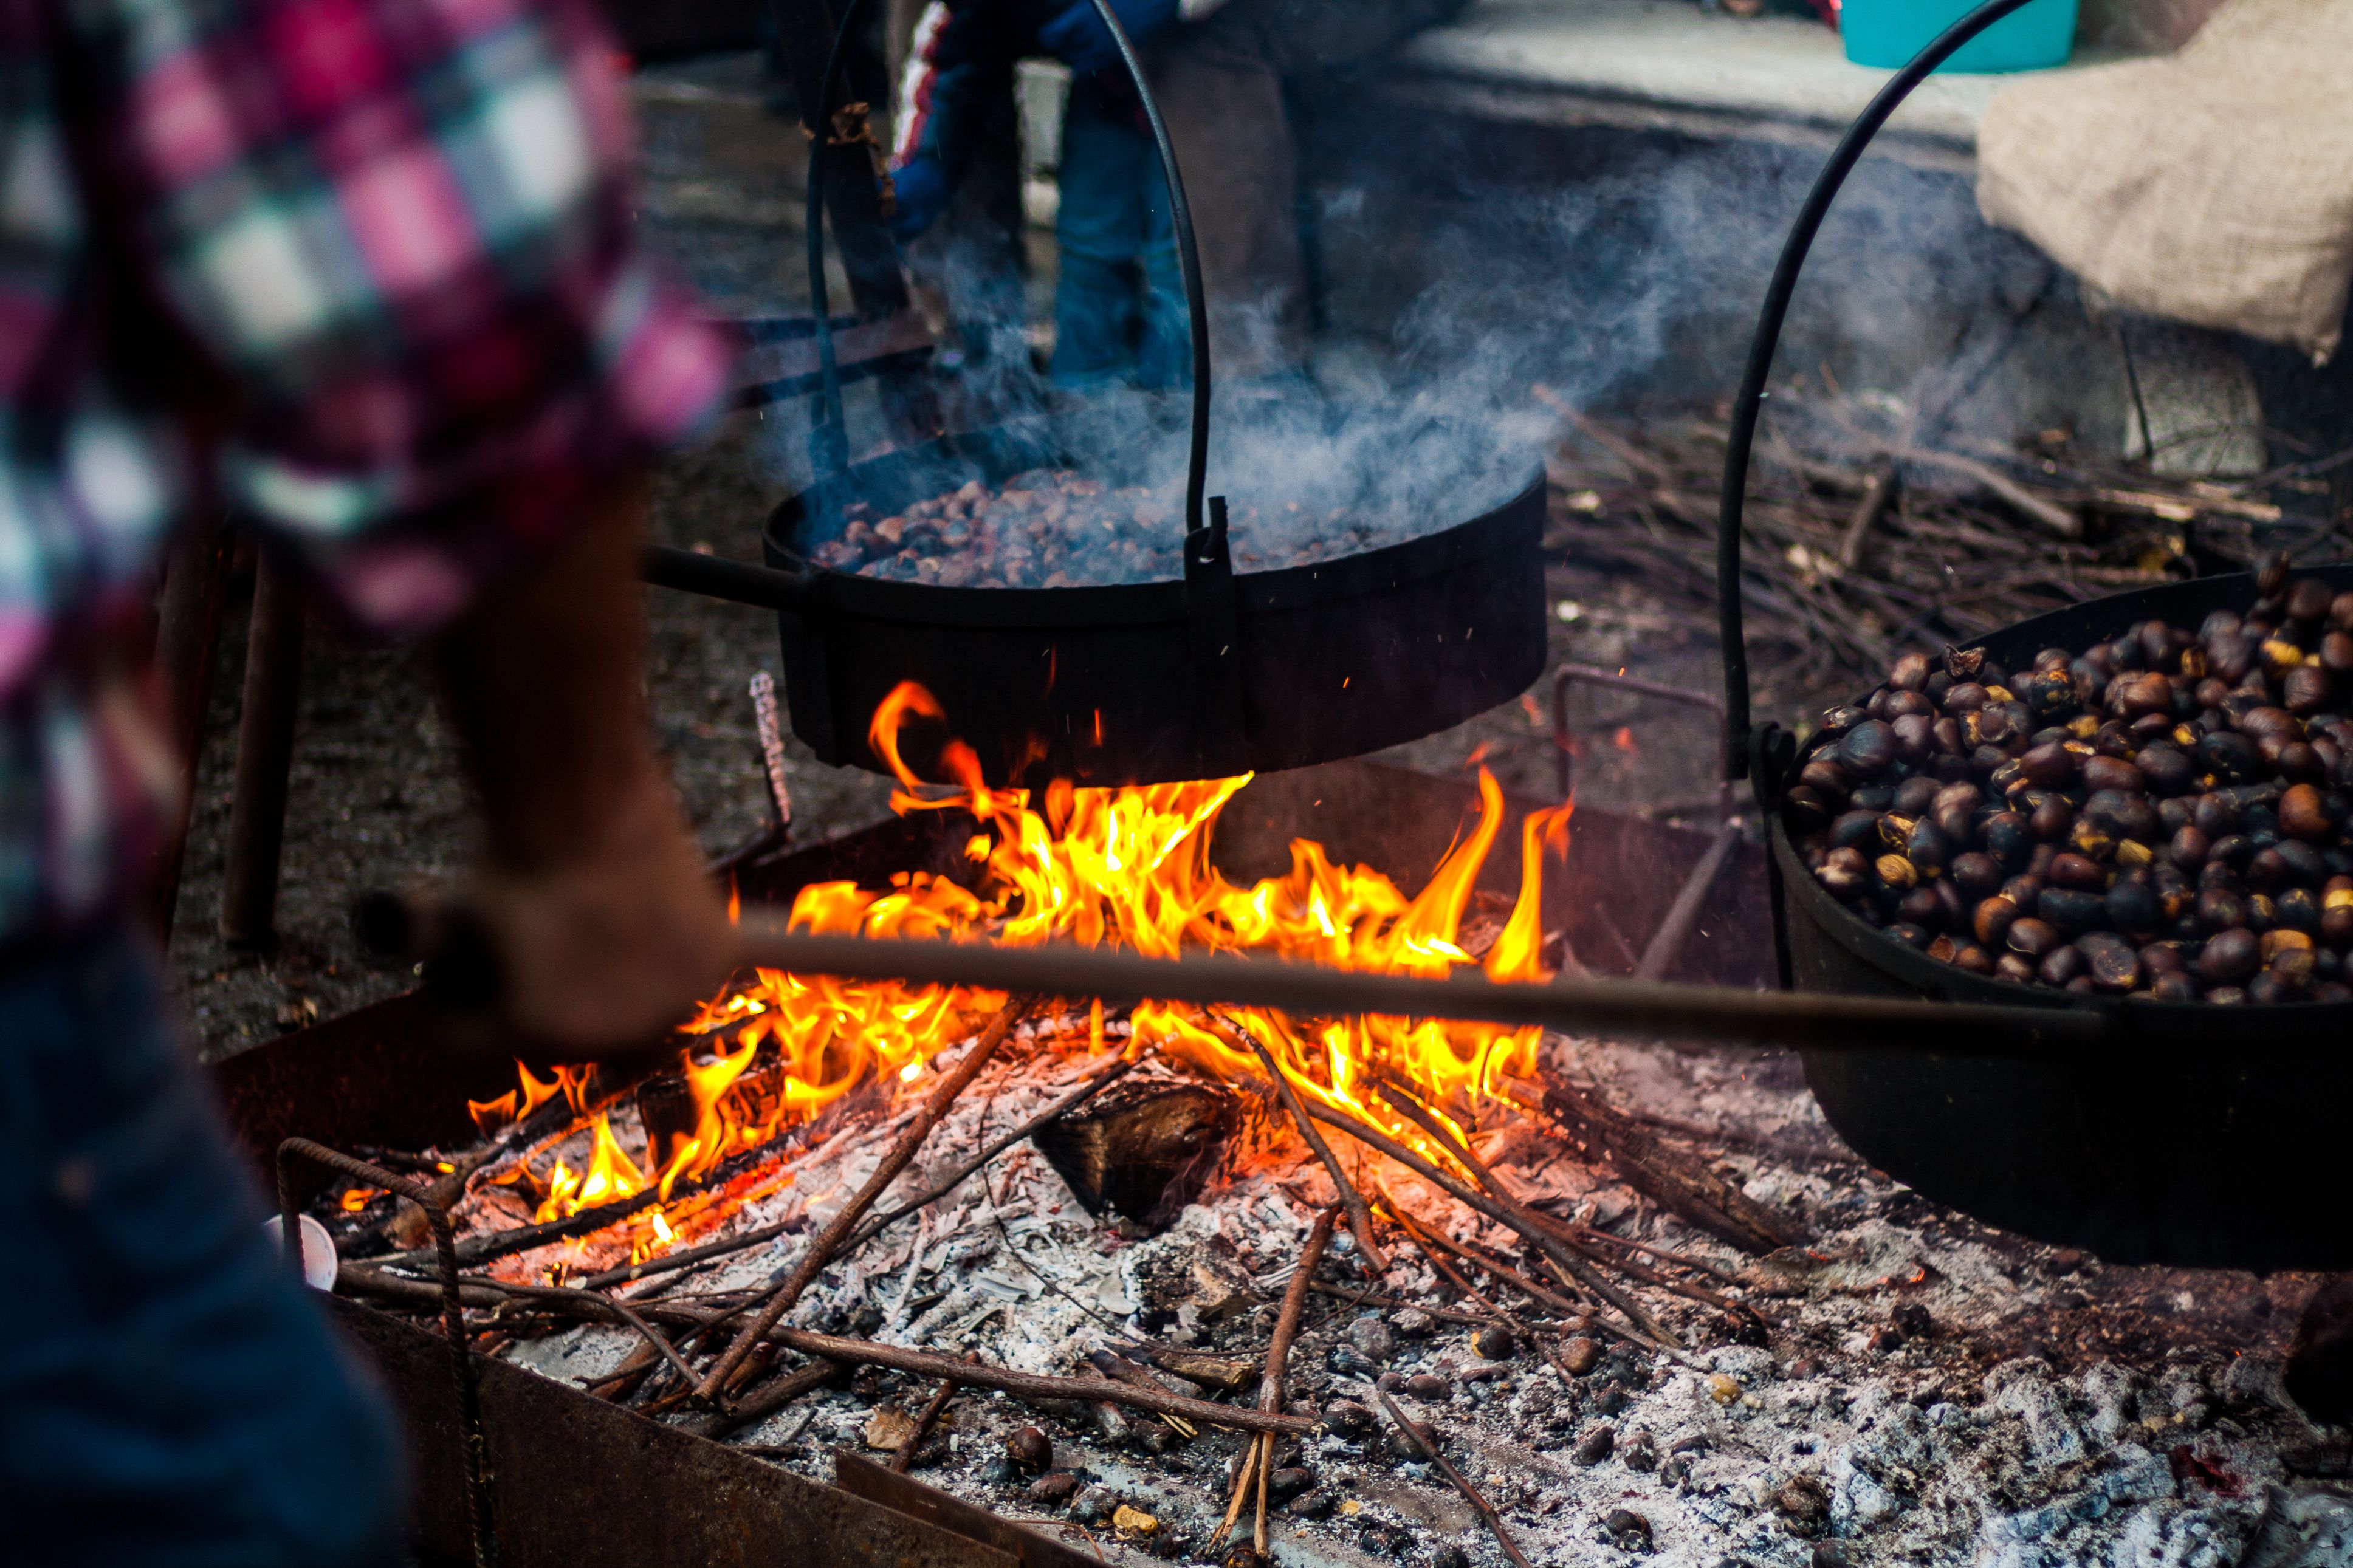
<point>1037,1385</point>
<point>923,1423</point>
<point>1360,1218</point>
<point>758,1406</point>
<point>1404,1102</point>
<point>1396,1211</point>
<point>1265,1468</point>
<point>1278,1350</point>
<point>957,1177</point>
<point>1471,1494</point>
<point>668,1352</point>
<point>1242,1476</point>
<point>1286,1321</point>
<point>1397,1304</point>
<point>1708,1201</point>
<point>1550,1247</point>
<point>1578,1236</point>
<point>820,1252</point>
<point>1419,1115</point>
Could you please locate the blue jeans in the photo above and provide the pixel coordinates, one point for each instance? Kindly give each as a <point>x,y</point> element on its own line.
<point>1119,302</point>
<point>168,1394</point>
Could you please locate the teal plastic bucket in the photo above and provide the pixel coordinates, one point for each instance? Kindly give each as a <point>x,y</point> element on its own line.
<point>1889,33</point>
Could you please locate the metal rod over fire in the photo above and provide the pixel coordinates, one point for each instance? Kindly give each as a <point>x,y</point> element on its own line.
<point>1609,1008</point>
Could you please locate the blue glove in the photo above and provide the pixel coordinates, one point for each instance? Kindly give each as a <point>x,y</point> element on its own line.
<point>1079,40</point>
<point>923,189</point>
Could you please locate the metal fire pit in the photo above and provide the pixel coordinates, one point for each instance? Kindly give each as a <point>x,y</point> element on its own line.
<point>2206,1136</point>
<point>576,1482</point>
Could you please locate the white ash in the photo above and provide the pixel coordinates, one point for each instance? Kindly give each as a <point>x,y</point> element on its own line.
<point>2048,1410</point>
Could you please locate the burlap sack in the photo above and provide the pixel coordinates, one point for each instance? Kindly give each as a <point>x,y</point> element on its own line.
<point>2214,185</point>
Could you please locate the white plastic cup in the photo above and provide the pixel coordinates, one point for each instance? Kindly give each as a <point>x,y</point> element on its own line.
<point>319,1264</point>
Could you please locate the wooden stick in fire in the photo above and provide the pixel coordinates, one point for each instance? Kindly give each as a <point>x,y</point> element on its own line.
<point>426,1295</point>
<point>1278,1350</point>
<point>1550,1247</point>
<point>671,1262</point>
<point>1413,1110</point>
<point>1471,1494</point>
<point>1430,1250</point>
<point>820,1251</point>
<point>1036,1385</point>
<point>1360,1218</point>
<point>1577,1236</point>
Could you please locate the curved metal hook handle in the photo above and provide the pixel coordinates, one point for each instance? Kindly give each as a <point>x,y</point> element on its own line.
<point>1769,320</point>
<point>829,442</point>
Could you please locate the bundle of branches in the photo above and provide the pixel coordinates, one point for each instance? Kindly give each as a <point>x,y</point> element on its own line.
<point>1861,542</point>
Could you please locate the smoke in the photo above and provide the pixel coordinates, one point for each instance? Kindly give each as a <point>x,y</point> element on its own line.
<point>1631,280</point>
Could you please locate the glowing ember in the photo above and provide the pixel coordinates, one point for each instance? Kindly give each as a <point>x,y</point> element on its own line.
<point>1128,867</point>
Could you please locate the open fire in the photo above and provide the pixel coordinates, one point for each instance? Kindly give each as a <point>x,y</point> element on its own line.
<point>1128,867</point>
<point>1587,1306</point>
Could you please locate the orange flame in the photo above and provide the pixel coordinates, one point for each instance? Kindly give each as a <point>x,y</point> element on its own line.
<point>1125,868</point>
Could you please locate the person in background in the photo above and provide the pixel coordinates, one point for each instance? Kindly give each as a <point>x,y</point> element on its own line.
<point>1119,303</point>
<point>1218,68</point>
<point>363,275</point>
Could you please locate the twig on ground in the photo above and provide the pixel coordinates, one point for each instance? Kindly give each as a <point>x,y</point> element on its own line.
<point>1471,1494</point>
<point>765,1401</point>
<point>923,1423</point>
<point>1036,1385</point>
<point>1429,1250</point>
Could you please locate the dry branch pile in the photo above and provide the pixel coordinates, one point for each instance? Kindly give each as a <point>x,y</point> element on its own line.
<point>1862,543</point>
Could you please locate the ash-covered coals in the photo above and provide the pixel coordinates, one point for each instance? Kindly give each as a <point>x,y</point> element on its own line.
<point>1058,529</point>
<point>2162,816</point>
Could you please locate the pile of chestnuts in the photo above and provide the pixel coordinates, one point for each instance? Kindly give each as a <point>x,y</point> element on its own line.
<point>2163,816</point>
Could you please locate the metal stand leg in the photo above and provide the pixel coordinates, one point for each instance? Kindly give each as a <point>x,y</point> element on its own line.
<point>187,636</point>
<point>877,288</point>
<point>265,751</point>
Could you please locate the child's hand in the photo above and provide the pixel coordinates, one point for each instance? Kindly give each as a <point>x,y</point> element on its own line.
<point>1079,40</point>
<point>921,189</point>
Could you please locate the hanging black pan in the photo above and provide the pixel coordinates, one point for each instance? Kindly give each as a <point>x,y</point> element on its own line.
<point>1207,676</point>
<point>2206,1136</point>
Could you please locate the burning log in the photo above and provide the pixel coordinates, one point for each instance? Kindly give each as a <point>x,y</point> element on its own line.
<point>1143,1154</point>
<point>820,1251</point>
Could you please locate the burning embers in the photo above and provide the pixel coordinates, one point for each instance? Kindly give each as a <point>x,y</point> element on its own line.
<point>1128,867</point>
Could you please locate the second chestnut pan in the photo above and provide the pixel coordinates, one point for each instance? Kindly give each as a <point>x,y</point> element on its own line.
<point>2210,1136</point>
<point>2213,1136</point>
